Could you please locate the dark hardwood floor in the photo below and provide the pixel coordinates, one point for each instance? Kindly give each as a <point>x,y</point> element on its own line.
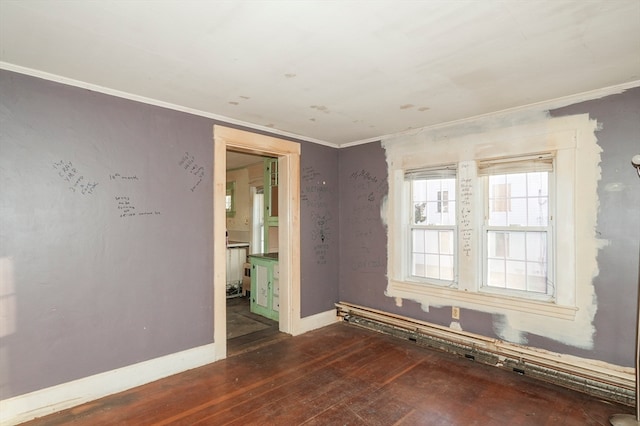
<point>240,325</point>
<point>343,375</point>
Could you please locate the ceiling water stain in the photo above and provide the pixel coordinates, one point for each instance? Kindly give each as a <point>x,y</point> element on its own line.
<point>270,125</point>
<point>424,109</point>
<point>407,106</point>
<point>290,75</point>
<point>245,97</point>
<point>321,108</point>
<point>234,103</point>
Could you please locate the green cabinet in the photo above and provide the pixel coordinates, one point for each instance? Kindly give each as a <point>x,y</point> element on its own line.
<point>265,286</point>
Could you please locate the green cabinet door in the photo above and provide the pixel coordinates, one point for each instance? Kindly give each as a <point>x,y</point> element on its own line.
<point>265,288</point>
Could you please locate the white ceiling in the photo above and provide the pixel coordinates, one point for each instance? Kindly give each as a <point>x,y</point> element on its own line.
<point>331,71</point>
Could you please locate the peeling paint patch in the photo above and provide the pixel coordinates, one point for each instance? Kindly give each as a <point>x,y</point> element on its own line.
<point>506,332</point>
<point>407,106</point>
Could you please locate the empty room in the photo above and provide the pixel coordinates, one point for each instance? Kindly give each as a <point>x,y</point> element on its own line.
<point>319,212</point>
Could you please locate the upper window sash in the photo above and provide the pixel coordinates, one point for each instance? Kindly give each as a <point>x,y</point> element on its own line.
<point>542,162</point>
<point>436,172</point>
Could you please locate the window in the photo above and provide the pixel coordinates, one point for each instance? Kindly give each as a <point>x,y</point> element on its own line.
<point>258,220</point>
<point>542,257</point>
<point>432,228</point>
<point>517,237</point>
<point>512,216</point>
<point>229,199</point>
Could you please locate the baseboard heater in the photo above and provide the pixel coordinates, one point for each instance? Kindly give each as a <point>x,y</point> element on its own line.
<point>591,377</point>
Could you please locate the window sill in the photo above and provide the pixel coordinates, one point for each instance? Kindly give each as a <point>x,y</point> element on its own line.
<point>410,290</point>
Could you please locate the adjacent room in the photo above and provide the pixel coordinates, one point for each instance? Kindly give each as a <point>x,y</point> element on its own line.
<point>319,212</point>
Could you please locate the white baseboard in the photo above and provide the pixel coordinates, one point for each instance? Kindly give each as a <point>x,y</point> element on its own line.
<point>316,321</point>
<point>66,395</point>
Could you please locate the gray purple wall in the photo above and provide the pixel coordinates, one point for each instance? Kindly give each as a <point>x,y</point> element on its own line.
<point>618,223</point>
<point>106,226</point>
<point>319,228</point>
<point>363,237</point>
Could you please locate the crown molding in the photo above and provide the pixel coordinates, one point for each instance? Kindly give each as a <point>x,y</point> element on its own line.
<point>536,106</point>
<point>150,101</point>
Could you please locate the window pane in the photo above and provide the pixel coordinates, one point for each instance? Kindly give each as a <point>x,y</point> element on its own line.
<point>495,273</point>
<point>501,201</point>
<point>446,268</point>
<point>419,213</point>
<point>517,260</point>
<point>418,240</point>
<point>446,242</point>
<point>497,218</point>
<point>518,213</point>
<point>433,266</point>
<point>537,246</point>
<point>538,211</point>
<point>496,182</point>
<point>520,199</point>
<point>518,184</point>
<point>498,243</point>
<point>516,275</point>
<point>419,190</point>
<point>433,254</point>
<point>434,217</point>
<point>537,184</point>
<point>517,249</point>
<point>432,243</point>
<point>536,277</point>
<point>434,201</point>
<point>418,265</point>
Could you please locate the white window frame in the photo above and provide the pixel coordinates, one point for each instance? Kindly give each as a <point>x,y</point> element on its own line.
<point>561,136</point>
<point>447,171</point>
<point>520,164</point>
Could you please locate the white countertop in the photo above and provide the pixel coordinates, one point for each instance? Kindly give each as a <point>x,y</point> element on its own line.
<point>237,244</point>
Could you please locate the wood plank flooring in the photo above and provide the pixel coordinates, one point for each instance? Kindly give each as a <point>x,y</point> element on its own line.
<point>244,342</point>
<point>343,375</point>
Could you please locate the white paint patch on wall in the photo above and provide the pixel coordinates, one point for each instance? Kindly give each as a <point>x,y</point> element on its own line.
<point>569,317</point>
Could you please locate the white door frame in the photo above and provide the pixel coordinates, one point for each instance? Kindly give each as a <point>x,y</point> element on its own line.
<point>288,154</point>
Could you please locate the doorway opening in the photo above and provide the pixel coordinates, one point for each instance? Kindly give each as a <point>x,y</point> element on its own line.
<point>252,250</point>
<point>287,233</point>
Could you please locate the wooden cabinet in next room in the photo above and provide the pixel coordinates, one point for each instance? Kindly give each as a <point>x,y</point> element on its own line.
<point>265,285</point>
